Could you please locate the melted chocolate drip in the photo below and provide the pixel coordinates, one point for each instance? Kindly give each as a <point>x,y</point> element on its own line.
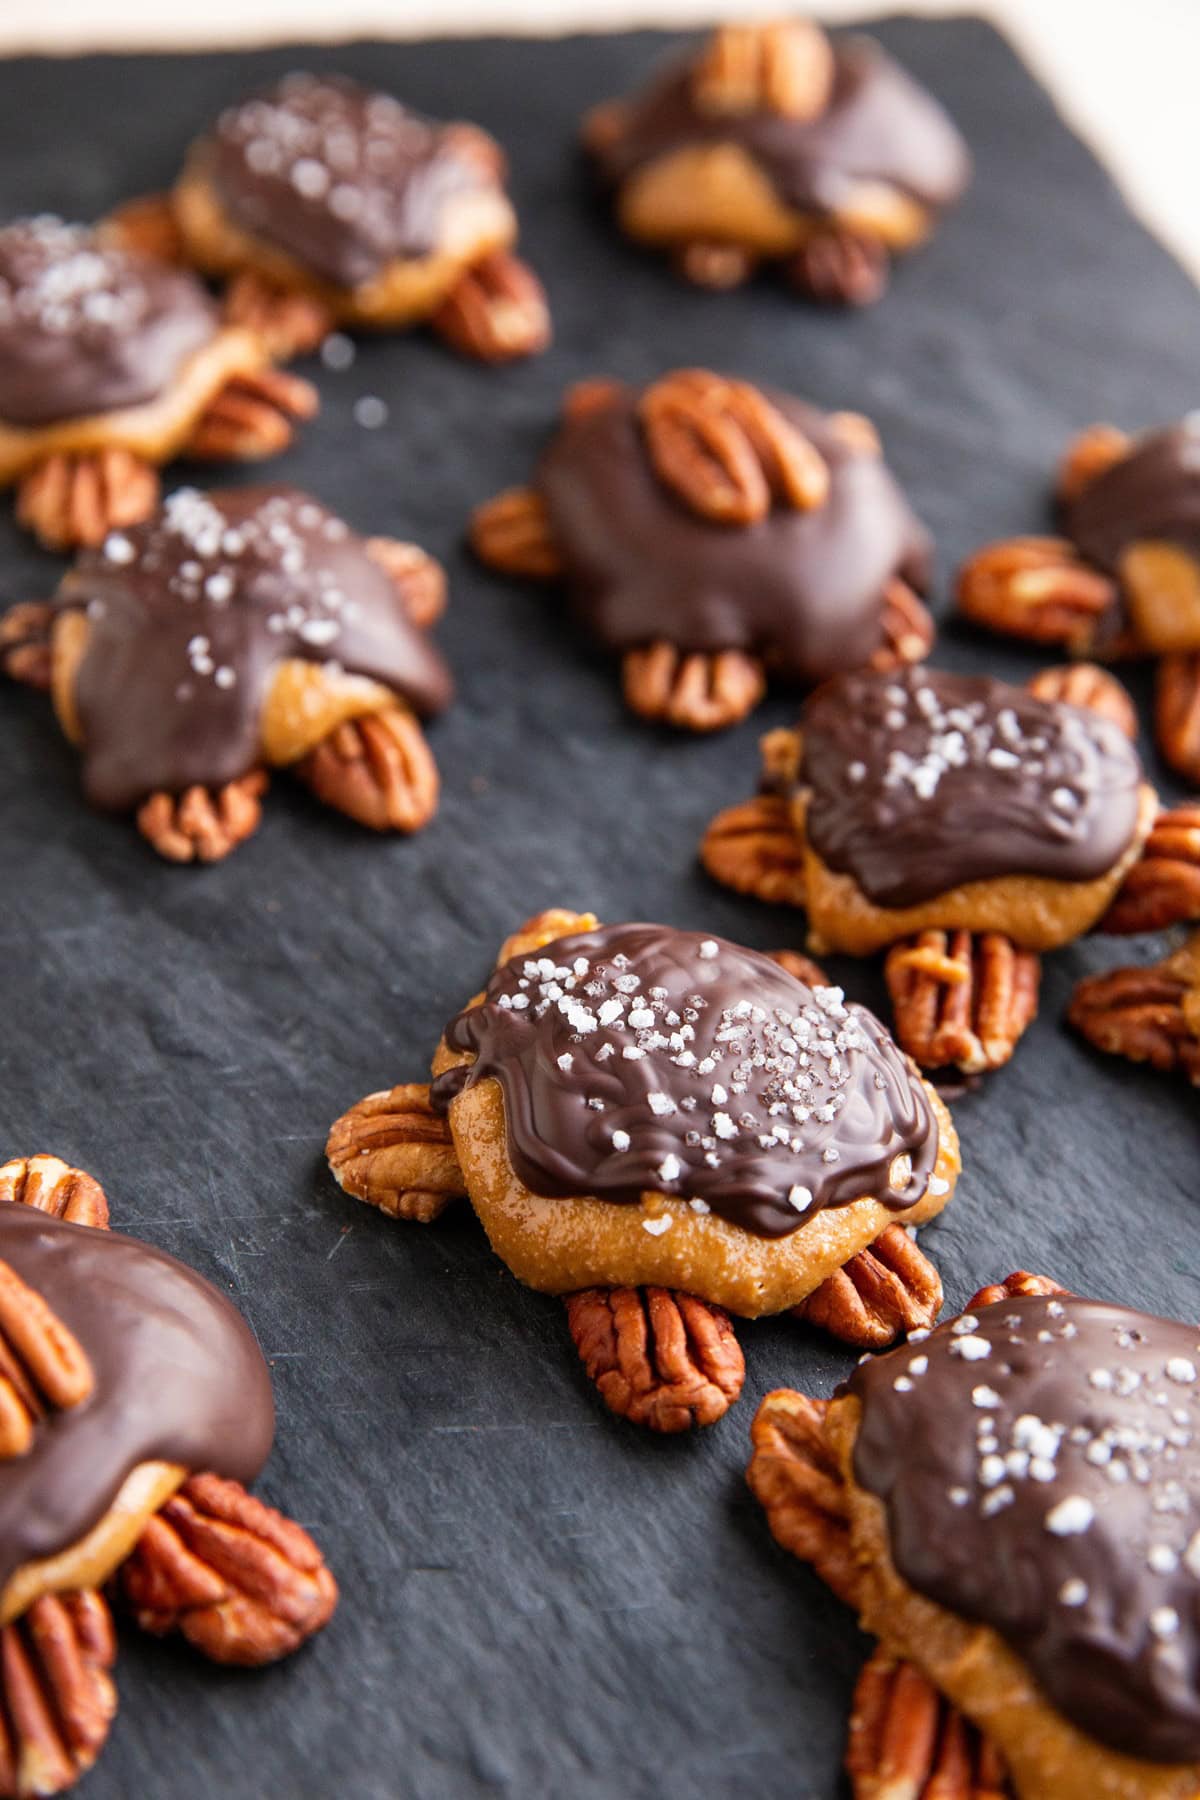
<point>1040,1468</point>
<point>342,178</point>
<point>637,1058</point>
<point>879,125</point>
<point>178,1378</point>
<point>1154,492</point>
<point>921,781</point>
<point>191,614</point>
<point>88,329</point>
<point>803,590</point>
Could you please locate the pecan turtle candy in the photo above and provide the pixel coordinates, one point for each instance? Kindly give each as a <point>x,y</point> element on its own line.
<point>1012,1506</point>
<point>771,143</point>
<point>1124,578</point>
<point>712,533</point>
<point>664,1129</point>
<point>327,203</point>
<point>112,363</point>
<point>134,1403</point>
<point>233,632</point>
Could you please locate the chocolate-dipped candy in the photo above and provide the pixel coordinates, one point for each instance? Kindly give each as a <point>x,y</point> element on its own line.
<point>654,1120</point>
<point>112,363</point>
<point>236,631</point>
<point>773,143</point>
<point>331,203</point>
<point>709,532</point>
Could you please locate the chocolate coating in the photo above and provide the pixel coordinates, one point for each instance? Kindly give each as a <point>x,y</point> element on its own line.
<point>635,1058</point>
<point>1154,492</point>
<point>802,590</point>
<point>190,615</point>
<point>995,1446</point>
<point>88,329</point>
<point>342,178</point>
<point>921,781</point>
<point>178,1378</point>
<point>879,126</point>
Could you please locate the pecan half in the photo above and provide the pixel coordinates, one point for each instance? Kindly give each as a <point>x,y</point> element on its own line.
<point>393,1151</point>
<point>50,1185</point>
<point>723,449</point>
<point>25,653</point>
<point>1177,712</point>
<point>1086,684</point>
<point>839,267</point>
<point>908,630</point>
<point>146,225</point>
<point>962,998</point>
<point>496,311</point>
<point>803,968</point>
<point>542,929</point>
<point>57,1699</point>
<point>1038,588</point>
<point>1012,1287</point>
<point>286,321</point>
<point>906,1742</point>
<point>1163,887</point>
<point>755,849</point>
<point>254,416</point>
<point>69,500</point>
<point>658,1358</point>
<point>884,1292</point>
<point>784,67</point>
<point>378,770</point>
<point>696,690</point>
<point>242,1583</point>
<point>717,266</point>
<point>512,534</point>
<point>594,395</point>
<point>201,825</point>
<point>42,1363</point>
<point>419,578</point>
<point>1095,450</point>
<point>1149,1015</point>
<point>793,1474</point>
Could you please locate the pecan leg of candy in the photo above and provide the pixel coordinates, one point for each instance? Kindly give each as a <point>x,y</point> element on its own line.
<point>324,203</point>
<point>708,532</point>
<point>1149,1015</point>
<point>1177,713</point>
<point>232,633</point>
<point>729,158</point>
<point>961,998</point>
<point>1163,887</point>
<point>111,364</point>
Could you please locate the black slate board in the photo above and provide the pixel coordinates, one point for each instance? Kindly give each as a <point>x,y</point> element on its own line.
<point>538,1600</point>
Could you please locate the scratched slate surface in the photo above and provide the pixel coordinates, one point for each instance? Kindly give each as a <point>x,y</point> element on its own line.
<point>538,1600</point>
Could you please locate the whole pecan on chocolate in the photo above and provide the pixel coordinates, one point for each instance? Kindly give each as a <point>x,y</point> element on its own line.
<point>782,66</point>
<point>253,417</point>
<point>1037,588</point>
<point>696,690</point>
<point>71,500</point>
<point>25,652</point>
<point>1091,687</point>
<point>496,311</point>
<point>962,998</point>
<point>53,1187</point>
<point>393,1151</point>
<point>754,848</point>
<point>884,1292</point>
<point>906,1742</point>
<point>512,533</point>
<point>839,267</point>
<point>1163,887</point>
<point>202,825</point>
<point>723,449</point>
<point>658,1358</point>
<point>1149,1014</point>
<point>1177,712</point>
<point>42,1363</point>
<point>57,1699</point>
<point>794,1475</point>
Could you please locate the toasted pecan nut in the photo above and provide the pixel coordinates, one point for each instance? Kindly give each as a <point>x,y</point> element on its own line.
<point>658,1358</point>
<point>1087,685</point>
<point>755,849</point>
<point>378,770</point>
<point>723,449</point>
<point>962,998</point>
<point>542,929</point>
<point>839,267</point>
<point>1013,1286</point>
<point>1177,712</point>
<point>419,578</point>
<point>146,225</point>
<point>496,311</point>
<point>286,321</point>
<point>25,653</point>
<point>720,267</point>
<point>253,417</point>
<point>783,66</point>
<point>49,1184</point>
<point>241,1582</point>
<point>71,501</point>
<point>512,533</point>
<point>803,968</point>
<point>1095,450</point>
<point>1037,588</point>
<point>781,754</point>
<point>42,1363</point>
<point>596,394</point>
<point>200,825</point>
<point>906,1742</point>
<point>393,1151</point>
<point>1163,887</point>
<point>794,1475</point>
<point>1148,1015</point>
<point>884,1292</point>
<point>908,629</point>
<point>57,1699</point>
<point>695,691</point>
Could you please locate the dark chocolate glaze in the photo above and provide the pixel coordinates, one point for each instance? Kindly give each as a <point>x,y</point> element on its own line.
<point>191,613</point>
<point>802,590</point>
<point>342,178</point>
<point>879,125</point>
<point>178,1377</point>
<point>635,1058</point>
<point>88,329</point>
<point>920,781</point>
<point>993,1445</point>
<point>1154,492</point>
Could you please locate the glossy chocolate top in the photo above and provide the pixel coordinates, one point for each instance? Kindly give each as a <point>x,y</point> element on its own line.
<point>87,329</point>
<point>341,177</point>
<point>178,1377</point>
<point>1039,1463</point>
<point>879,126</point>
<point>922,780</point>
<point>190,616</point>
<point>803,590</point>
<point>635,1058</point>
<point>1154,492</point>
